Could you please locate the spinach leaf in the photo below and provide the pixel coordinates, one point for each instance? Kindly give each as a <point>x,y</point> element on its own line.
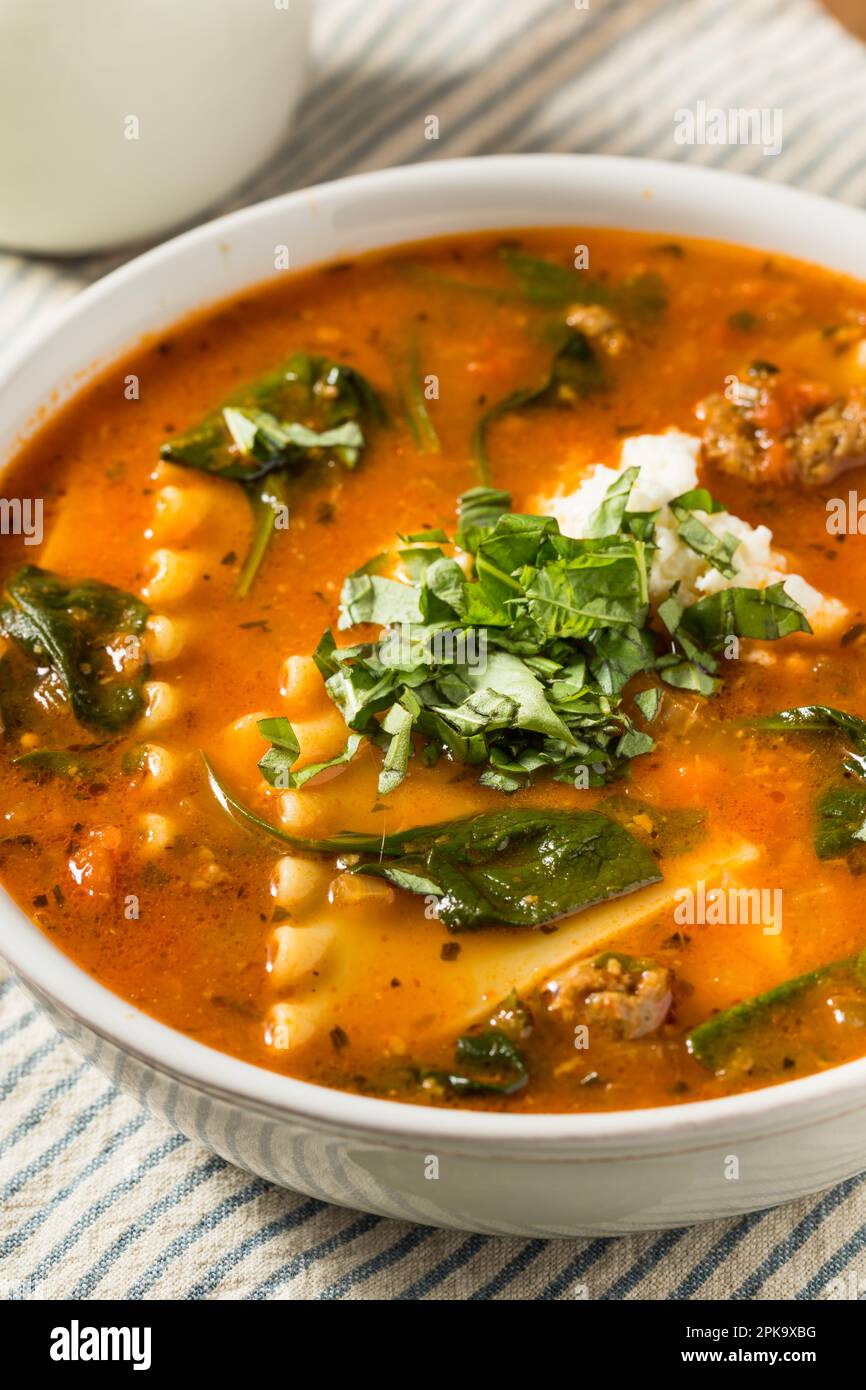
<point>520,868</point>
<point>307,409</point>
<point>637,297</point>
<point>840,814</point>
<point>840,821</point>
<point>666,832</point>
<point>93,764</point>
<point>86,632</point>
<point>822,719</point>
<point>307,404</point>
<point>44,764</point>
<point>488,1063</point>
<point>269,499</point>
<point>575,372</point>
<point>750,1028</point>
<point>414,404</point>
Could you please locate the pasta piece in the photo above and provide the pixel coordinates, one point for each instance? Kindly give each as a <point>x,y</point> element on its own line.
<point>352,890</point>
<point>209,872</point>
<point>299,811</point>
<point>179,512</point>
<point>164,638</point>
<point>162,702</point>
<point>295,880</point>
<point>491,965</point>
<point>173,575</point>
<point>157,833</point>
<point>160,765</point>
<point>321,738</point>
<point>301,684</point>
<point>240,742</point>
<point>289,1026</point>
<point>295,951</point>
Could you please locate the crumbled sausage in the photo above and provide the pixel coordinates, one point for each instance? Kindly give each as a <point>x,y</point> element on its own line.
<point>832,441</point>
<point>630,997</point>
<point>737,433</point>
<point>767,428</point>
<point>600,326</point>
<point>729,438</point>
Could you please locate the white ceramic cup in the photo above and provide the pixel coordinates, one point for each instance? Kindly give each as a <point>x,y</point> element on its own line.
<point>122,118</point>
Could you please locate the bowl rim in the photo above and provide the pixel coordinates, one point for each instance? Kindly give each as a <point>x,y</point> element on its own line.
<point>785,1107</point>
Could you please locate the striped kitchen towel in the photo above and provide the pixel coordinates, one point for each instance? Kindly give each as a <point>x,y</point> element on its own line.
<point>97,1200</point>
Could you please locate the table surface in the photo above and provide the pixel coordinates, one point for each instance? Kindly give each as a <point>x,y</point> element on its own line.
<point>98,1200</point>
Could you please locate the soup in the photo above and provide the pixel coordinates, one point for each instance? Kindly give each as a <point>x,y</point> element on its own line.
<point>439,675</point>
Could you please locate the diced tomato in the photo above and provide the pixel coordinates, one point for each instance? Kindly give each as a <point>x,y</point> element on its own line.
<point>93,864</point>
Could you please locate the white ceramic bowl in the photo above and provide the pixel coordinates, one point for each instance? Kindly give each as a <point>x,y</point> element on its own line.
<point>527,1175</point>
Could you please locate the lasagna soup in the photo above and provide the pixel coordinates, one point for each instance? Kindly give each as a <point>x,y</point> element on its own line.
<point>440,675</point>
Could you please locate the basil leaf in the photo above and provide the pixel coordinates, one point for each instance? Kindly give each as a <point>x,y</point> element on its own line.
<point>618,654</point>
<point>605,584</point>
<point>688,667</point>
<point>398,723</point>
<point>276,765</point>
<point>648,702</point>
<point>522,665</point>
<point>762,614</point>
<point>370,598</point>
<point>607,519</point>
<point>478,511</point>
<point>506,675</point>
<point>718,551</point>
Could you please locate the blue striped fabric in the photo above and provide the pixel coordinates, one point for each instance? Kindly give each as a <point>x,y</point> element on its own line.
<point>97,1200</point>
